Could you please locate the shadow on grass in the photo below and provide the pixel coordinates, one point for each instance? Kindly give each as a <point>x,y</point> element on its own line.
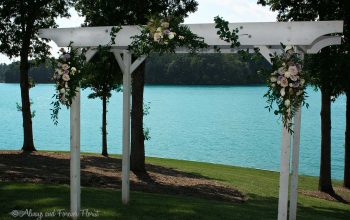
<point>41,198</point>
<point>99,171</point>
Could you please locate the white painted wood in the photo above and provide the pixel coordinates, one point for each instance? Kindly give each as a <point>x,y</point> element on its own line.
<point>89,54</point>
<point>75,155</point>
<point>137,63</point>
<point>254,33</point>
<point>126,127</point>
<point>119,60</point>
<point>295,167</point>
<point>265,52</point>
<point>322,42</point>
<point>284,175</point>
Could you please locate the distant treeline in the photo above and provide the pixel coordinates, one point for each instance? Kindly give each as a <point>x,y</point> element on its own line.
<point>177,69</point>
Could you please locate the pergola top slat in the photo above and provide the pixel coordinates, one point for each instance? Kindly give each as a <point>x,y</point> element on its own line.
<point>251,34</point>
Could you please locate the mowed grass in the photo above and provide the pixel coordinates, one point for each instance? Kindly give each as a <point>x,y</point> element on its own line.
<point>260,186</point>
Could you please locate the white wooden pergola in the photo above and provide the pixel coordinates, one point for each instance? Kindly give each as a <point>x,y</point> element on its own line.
<point>307,37</point>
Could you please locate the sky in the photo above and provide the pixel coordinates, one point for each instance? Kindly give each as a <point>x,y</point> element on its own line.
<point>230,10</point>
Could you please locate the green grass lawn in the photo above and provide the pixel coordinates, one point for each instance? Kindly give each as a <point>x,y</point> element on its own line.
<point>260,186</point>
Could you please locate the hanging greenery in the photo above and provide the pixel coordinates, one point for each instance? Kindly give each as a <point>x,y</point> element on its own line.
<point>67,75</point>
<point>286,85</point>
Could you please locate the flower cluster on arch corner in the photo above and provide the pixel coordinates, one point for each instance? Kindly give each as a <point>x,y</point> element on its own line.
<point>165,35</point>
<point>286,85</point>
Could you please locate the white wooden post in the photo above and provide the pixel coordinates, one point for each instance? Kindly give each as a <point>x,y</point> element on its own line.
<point>126,127</point>
<point>75,156</point>
<point>284,175</point>
<point>295,167</point>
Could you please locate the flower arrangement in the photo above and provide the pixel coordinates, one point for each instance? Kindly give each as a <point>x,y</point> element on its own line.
<point>67,76</point>
<point>286,85</point>
<point>162,35</point>
<point>161,32</point>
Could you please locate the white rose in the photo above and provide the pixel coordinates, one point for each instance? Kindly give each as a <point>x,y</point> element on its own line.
<point>159,29</point>
<point>287,74</point>
<point>62,91</point>
<point>73,69</point>
<point>273,79</point>
<point>290,84</point>
<point>273,85</point>
<point>283,92</point>
<point>287,102</point>
<point>171,35</point>
<point>157,36</point>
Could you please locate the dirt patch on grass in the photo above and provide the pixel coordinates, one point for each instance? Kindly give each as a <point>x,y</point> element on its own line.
<point>99,171</point>
<point>342,195</point>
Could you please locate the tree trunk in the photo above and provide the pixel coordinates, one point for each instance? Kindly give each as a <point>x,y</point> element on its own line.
<point>325,180</point>
<point>28,143</point>
<point>347,143</point>
<point>104,126</point>
<point>137,156</point>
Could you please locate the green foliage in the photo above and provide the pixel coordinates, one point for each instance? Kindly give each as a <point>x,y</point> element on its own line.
<point>3,68</point>
<point>20,22</point>
<point>203,69</point>
<point>103,74</point>
<point>177,69</point>
<point>146,131</point>
<point>225,33</point>
<point>19,108</point>
<point>132,12</point>
<point>39,73</point>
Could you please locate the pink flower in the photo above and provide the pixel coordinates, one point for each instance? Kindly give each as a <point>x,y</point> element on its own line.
<point>66,77</point>
<point>65,67</point>
<point>284,82</point>
<point>293,70</point>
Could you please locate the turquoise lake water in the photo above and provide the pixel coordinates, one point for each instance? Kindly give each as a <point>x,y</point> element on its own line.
<point>217,124</point>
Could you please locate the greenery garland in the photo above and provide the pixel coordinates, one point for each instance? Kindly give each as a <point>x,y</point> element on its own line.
<point>286,85</point>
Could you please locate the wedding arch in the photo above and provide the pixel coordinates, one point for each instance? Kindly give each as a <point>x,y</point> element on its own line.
<point>307,37</point>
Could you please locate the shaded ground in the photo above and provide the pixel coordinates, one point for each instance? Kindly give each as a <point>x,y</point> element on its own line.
<point>99,171</point>
<point>341,195</point>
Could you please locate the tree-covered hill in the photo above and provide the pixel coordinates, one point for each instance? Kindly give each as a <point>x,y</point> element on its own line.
<point>173,69</point>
